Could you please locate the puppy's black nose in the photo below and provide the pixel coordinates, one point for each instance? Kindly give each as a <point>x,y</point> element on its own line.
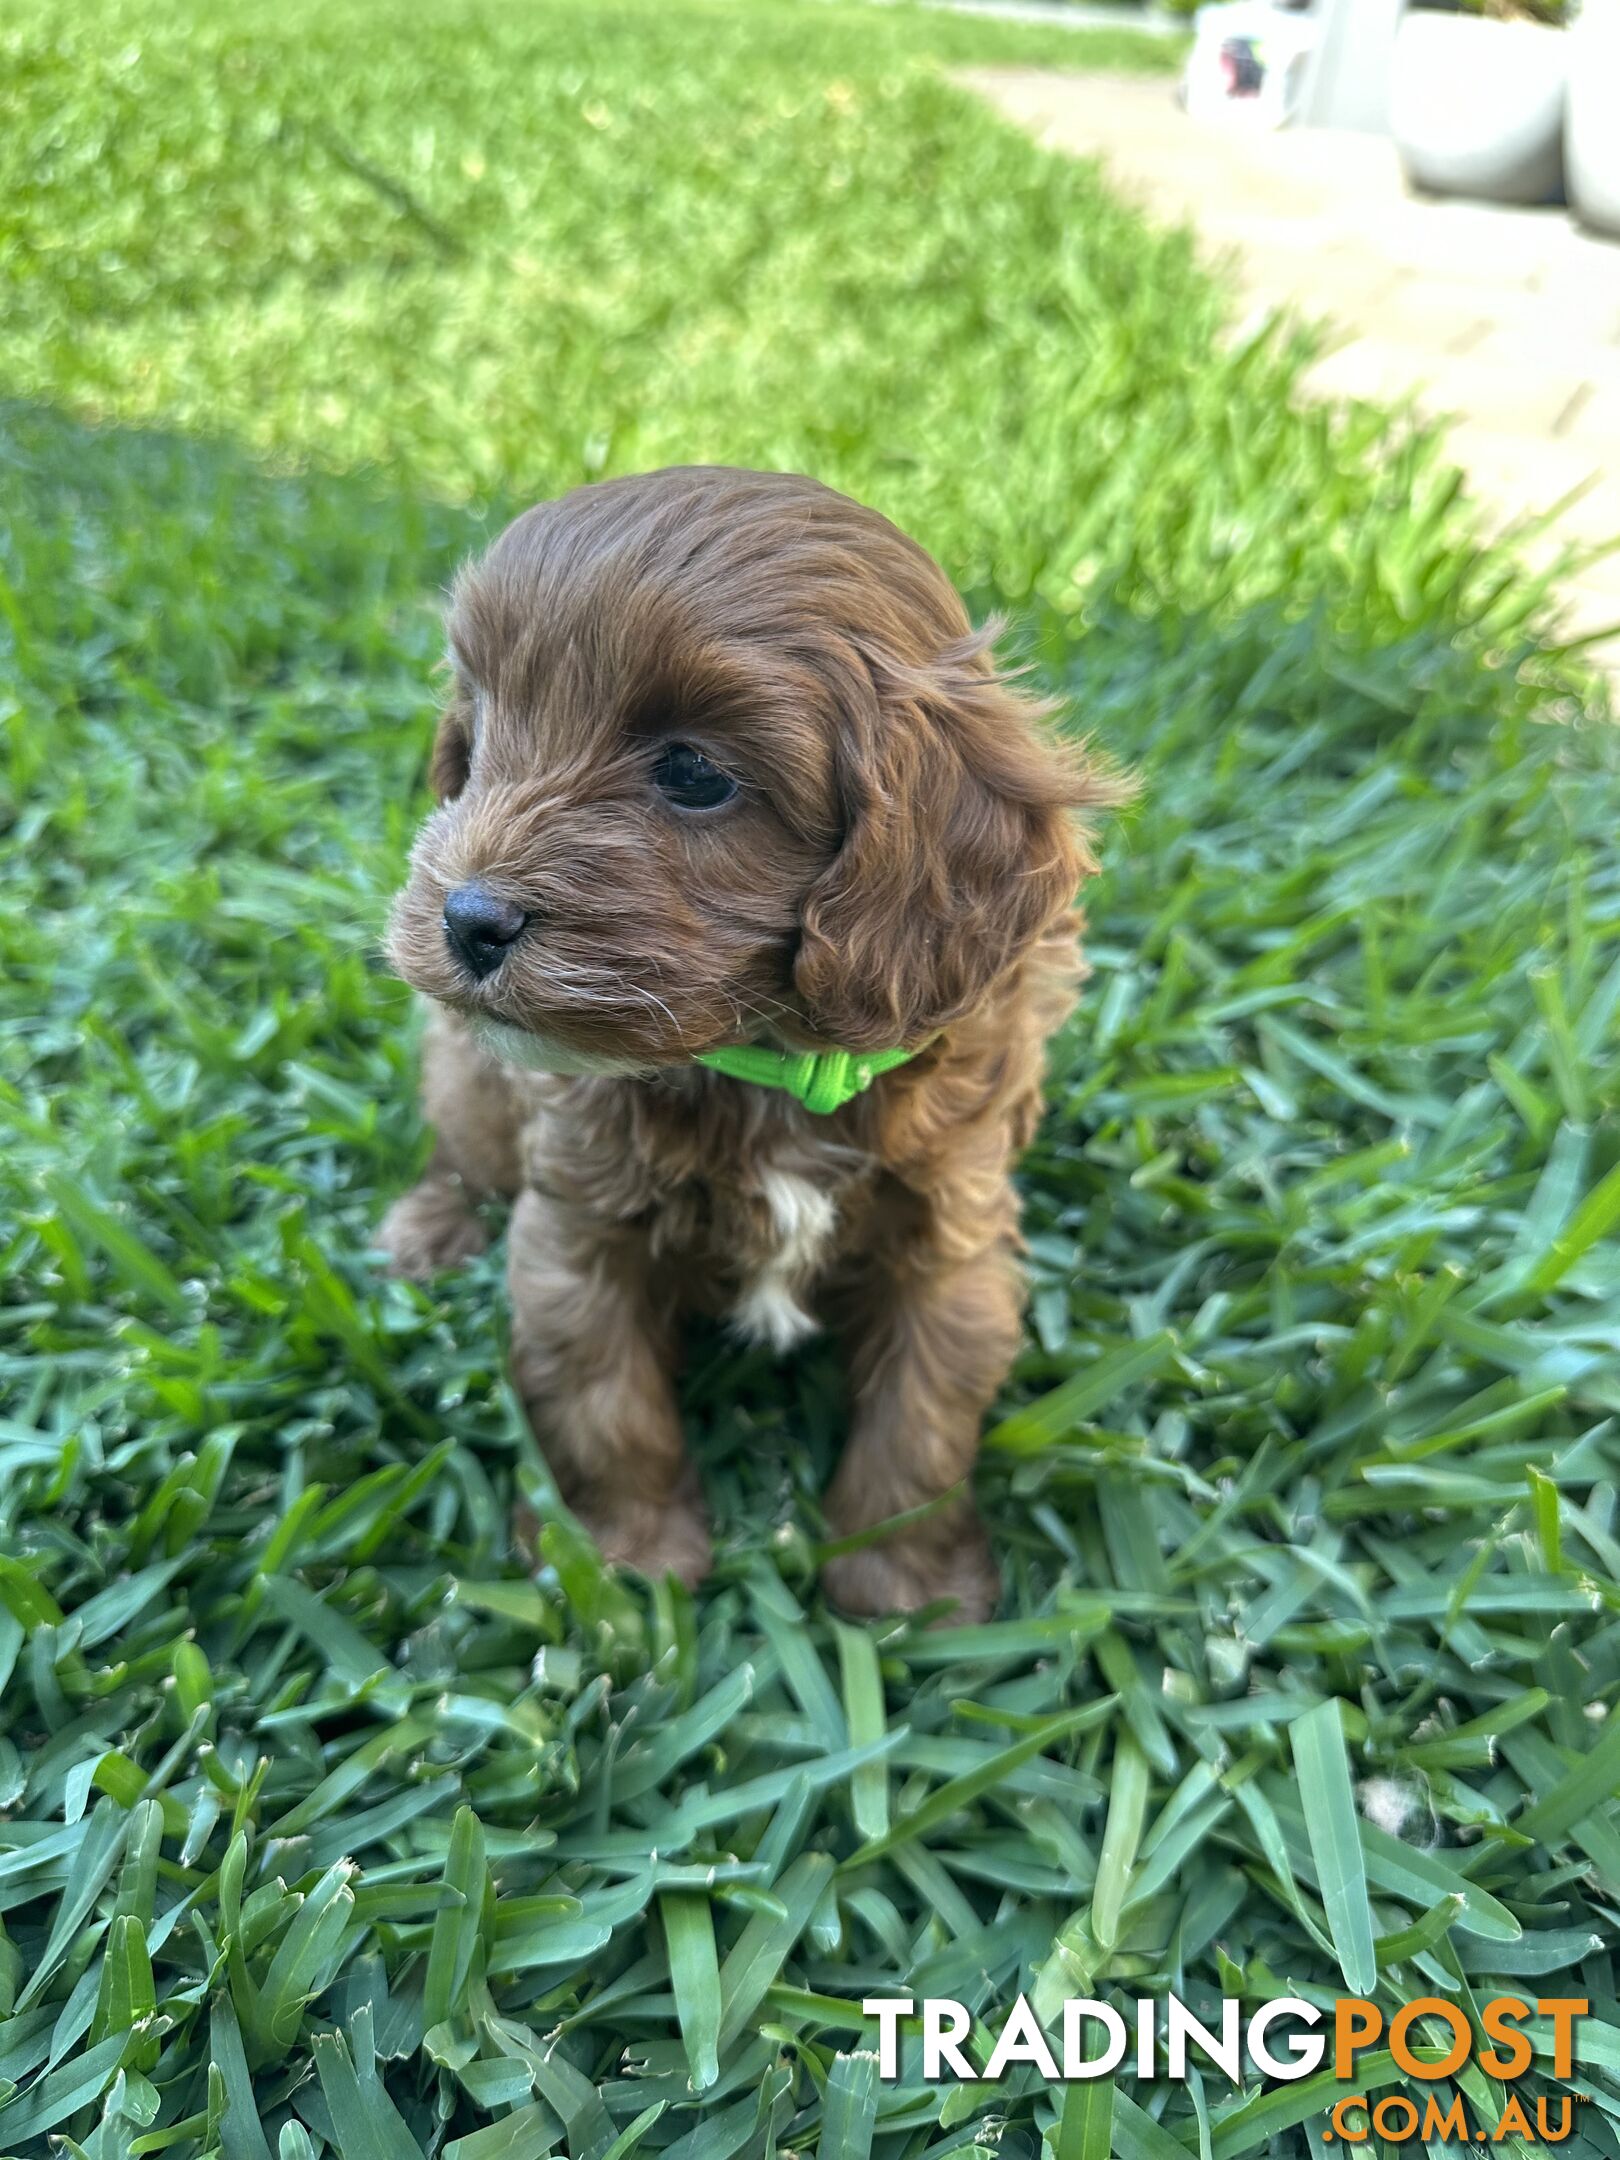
<point>480,926</point>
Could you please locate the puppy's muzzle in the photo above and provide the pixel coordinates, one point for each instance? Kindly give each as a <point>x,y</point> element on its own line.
<point>480,927</point>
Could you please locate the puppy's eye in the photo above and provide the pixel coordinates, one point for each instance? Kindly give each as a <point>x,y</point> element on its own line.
<point>690,780</point>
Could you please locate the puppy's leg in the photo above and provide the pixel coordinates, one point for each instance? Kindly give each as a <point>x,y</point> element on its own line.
<point>593,1357</point>
<point>937,1328</point>
<point>468,1099</point>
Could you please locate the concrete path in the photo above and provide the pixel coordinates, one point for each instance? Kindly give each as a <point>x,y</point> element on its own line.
<point>1072,15</point>
<point>1506,320</point>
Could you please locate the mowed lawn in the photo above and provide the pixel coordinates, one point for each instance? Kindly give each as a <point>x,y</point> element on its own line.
<point>322,1828</point>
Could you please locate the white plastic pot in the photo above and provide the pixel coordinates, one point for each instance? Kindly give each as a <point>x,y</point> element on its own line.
<point>1592,116</point>
<point>1477,107</point>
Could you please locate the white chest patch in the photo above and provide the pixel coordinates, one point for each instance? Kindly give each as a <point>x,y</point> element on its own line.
<point>802,1220</point>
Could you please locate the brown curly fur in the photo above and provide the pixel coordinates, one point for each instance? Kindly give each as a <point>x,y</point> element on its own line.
<point>898,867</point>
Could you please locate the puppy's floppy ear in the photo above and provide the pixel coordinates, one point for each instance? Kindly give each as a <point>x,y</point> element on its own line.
<point>451,758</point>
<point>960,848</point>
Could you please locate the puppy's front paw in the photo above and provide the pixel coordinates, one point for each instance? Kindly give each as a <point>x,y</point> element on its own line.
<point>907,1572</point>
<point>655,1541</point>
<point>431,1227</point>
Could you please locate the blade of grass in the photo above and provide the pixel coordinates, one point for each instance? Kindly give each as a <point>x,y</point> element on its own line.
<point>1127,1810</point>
<point>1329,1807</point>
<point>694,1977</point>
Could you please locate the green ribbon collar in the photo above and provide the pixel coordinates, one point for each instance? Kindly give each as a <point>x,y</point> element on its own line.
<point>823,1080</point>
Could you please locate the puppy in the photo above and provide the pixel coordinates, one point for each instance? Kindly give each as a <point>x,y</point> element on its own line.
<point>724,766</point>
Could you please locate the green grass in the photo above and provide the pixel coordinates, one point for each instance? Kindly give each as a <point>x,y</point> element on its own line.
<point>319,1825</point>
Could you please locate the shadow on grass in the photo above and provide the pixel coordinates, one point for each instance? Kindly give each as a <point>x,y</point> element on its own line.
<point>1308,938</point>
